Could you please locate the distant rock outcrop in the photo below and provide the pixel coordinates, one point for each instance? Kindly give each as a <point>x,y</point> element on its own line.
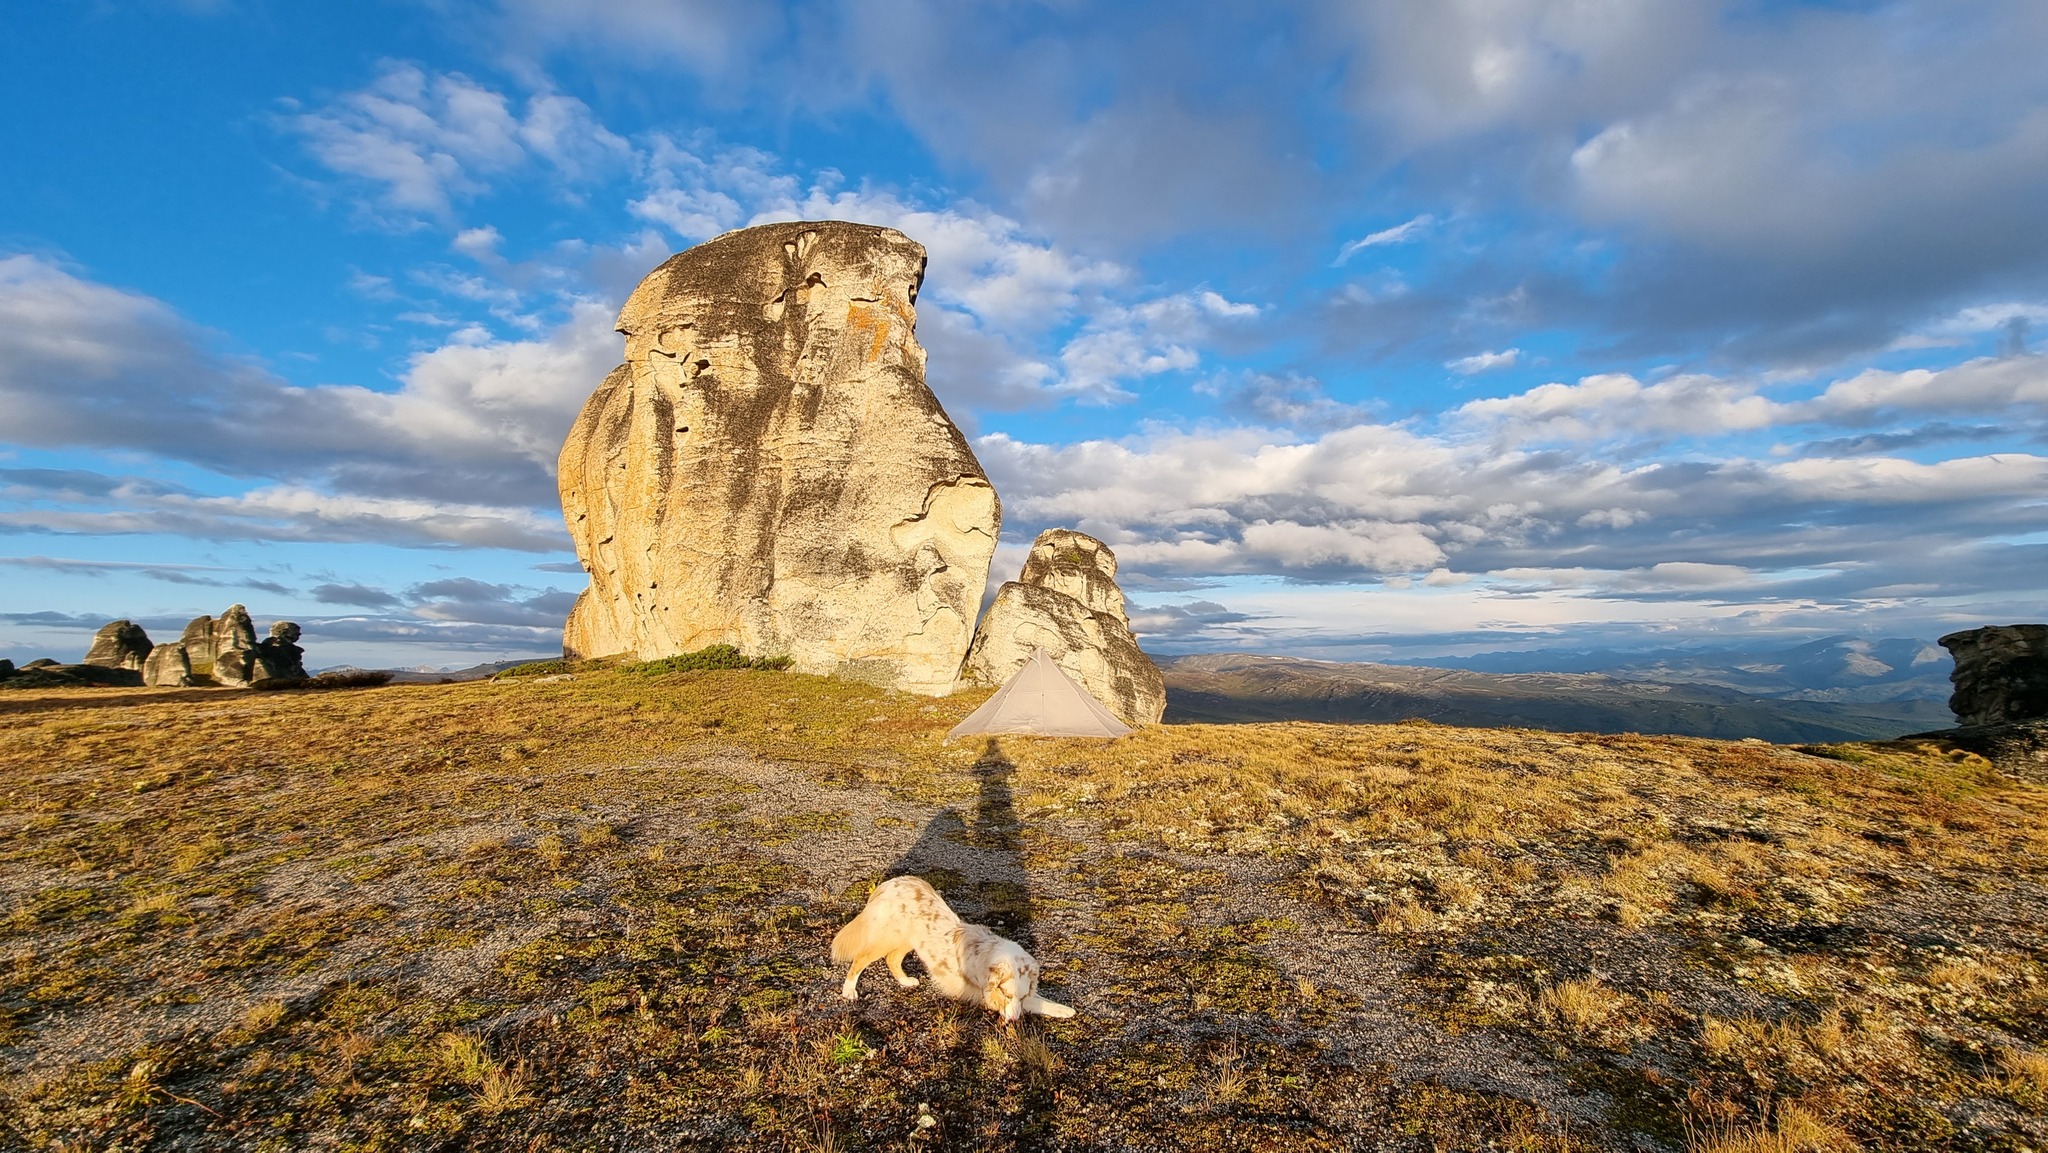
<point>167,667</point>
<point>279,659</point>
<point>769,470</point>
<point>119,645</point>
<point>197,641</point>
<point>234,648</point>
<point>2001,674</point>
<point>1067,600</point>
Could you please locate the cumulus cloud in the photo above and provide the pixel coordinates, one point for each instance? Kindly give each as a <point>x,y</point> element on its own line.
<point>420,142</point>
<point>352,463</point>
<point>1477,500</point>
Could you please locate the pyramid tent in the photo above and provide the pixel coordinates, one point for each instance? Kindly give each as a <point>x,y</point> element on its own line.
<point>1041,701</point>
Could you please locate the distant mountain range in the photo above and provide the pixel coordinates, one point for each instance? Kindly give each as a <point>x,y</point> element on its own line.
<point>1808,696</point>
<point>421,674</point>
<point>1836,668</point>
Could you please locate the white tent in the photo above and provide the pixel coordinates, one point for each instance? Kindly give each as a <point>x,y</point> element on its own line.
<point>1041,701</point>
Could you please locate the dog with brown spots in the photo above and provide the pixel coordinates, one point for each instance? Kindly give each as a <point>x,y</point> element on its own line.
<point>967,962</point>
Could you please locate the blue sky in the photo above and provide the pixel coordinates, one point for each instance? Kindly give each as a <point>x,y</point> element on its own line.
<point>1366,331</point>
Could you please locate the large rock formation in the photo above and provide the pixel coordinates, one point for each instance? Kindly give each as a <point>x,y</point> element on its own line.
<point>1067,600</point>
<point>197,641</point>
<point>234,647</point>
<point>279,659</point>
<point>768,470</point>
<point>119,645</point>
<point>167,667</point>
<point>2001,674</point>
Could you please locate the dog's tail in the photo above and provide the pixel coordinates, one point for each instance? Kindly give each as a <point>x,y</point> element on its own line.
<point>1037,1004</point>
<point>848,942</point>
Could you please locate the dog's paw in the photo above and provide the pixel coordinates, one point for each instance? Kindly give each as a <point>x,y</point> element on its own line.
<point>850,994</point>
<point>907,982</point>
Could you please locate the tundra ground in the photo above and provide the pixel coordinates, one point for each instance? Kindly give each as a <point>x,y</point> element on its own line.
<point>591,910</point>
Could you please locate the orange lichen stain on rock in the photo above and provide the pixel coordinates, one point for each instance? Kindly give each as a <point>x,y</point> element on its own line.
<point>861,318</point>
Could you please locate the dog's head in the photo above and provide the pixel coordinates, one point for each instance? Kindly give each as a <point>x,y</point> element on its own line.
<point>1012,977</point>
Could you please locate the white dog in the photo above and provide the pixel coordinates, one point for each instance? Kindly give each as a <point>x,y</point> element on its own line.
<point>967,962</point>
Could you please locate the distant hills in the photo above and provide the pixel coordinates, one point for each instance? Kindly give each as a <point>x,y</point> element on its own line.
<point>1838,668</point>
<point>421,674</point>
<point>1833,690</point>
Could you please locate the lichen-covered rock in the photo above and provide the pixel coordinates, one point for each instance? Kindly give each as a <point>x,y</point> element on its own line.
<point>197,641</point>
<point>118,645</point>
<point>279,659</point>
<point>1067,600</point>
<point>768,470</point>
<point>167,667</point>
<point>233,630</point>
<point>1078,565</point>
<point>232,667</point>
<point>2001,674</point>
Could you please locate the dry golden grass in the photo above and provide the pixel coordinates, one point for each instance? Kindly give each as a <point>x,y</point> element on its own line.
<point>1492,863</point>
<point>1793,1129</point>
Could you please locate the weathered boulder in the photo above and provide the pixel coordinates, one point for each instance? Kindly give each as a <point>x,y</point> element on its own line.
<point>197,641</point>
<point>167,667</point>
<point>233,667</point>
<point>279,659</point>
<point>768,469</point>
<point>1067,600</point>
<point>233,630</point>
<point>118,645</point>
<point>2001,674</point>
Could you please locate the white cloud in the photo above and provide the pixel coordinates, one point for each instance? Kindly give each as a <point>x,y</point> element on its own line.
<point>2014,387</point>
<point>425,141</point>
<point>1398,234</point>
<point>1617,404</point>
<point>1483,361</point>
<point>477,415</point>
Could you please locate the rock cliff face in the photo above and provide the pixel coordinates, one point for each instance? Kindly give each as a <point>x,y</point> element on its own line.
<point>1067,600</point>
<point>768,470</point>
<point>119,645</point>
<point>2001,674</point>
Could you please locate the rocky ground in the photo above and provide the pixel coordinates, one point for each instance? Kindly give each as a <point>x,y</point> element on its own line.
<point>590,910</point>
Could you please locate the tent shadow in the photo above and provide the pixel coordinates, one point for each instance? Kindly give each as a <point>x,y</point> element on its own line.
<point>978,866</point>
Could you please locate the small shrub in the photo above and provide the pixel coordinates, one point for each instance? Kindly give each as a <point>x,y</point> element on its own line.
<point>715,658</point>
<point>1718,1037</point>
<point>1795,1129</point>
<point>1581,1006</point>
<point>2025,1079</point>
<point>461,1058</point>
<point>262,1017</point>
<point>1041,1065</point>
<point>1228,1083</point>
<point>847,1048</point>
<point>552,850</point>
<point>536,669</point>
<point>503,1089</point>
